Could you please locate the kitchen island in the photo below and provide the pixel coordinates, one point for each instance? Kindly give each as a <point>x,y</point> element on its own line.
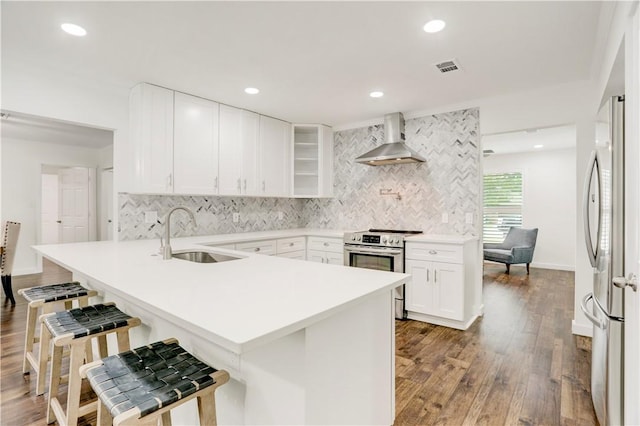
<point>304,343</point>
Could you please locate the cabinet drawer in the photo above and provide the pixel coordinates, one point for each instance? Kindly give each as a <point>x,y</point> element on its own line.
<point>434,252</point>
<point>287,245</point>
<point>334,245</point>
<point>267,247</point>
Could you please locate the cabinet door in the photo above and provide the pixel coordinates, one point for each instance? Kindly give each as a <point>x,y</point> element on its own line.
<point>448,293</point>
<point>267,247</point>
<point>230,152</point>
<point>195,145</point>
<point>151,127</point>
<point>275,164</point>
<point>419,292</point>
<point>300,255</point>
<point>334,258</point>
<point>250,152</point>
<point>316,256</point>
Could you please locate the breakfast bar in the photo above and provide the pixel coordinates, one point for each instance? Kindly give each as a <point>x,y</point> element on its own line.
<point>304,342</point>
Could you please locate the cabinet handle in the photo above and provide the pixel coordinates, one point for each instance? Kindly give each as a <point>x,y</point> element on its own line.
<point>427,275</point>
<point>215,183</point>
<point>170,180</point>
<point>239,187</point>
<point>433,252</point>
<point>245,184</point>
<point>256,249</point>
<point>290,244</point>
<point>263,186</point>
<point>435,275</point>
<point>326,244</point>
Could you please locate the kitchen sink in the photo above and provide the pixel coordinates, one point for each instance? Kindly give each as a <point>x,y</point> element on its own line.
<point>203,257</point>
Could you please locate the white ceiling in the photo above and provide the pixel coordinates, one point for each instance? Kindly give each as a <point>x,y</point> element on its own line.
<point>551,138</point>
<point>313,61</point>
<point>30,128</point>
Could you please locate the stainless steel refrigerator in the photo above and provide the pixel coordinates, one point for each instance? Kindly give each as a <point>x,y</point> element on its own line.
<point>604,235</point>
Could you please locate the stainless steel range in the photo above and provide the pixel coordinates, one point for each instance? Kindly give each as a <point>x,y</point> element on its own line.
<point>380,249</point>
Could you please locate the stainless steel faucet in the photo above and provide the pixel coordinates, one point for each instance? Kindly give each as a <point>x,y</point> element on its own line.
<point>165,247</point>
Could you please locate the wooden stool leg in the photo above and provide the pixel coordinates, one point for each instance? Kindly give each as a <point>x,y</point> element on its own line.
<point>43,358</point>
<point>54,380</point>
<point>32,316</point>
<point>104,416</point>
<point>75,382</point>
<point>123,340</point>
<point>102,347</point>
<point>166,418</point>
<point>207,408</point>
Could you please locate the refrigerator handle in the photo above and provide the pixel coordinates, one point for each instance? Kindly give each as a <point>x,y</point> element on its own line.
<point>593,164</point>
<point>598,323</point>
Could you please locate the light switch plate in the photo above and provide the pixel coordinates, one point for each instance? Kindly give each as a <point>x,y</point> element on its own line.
<point>150,217</point>
<point>445,218</point>
<point>469,218</point>
<point>236,217</point>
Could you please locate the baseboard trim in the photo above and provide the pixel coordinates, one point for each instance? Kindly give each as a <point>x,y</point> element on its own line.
<point>553,266</point>
<point>460,325</point>
<point>26,271</point>
<point>581,329</point>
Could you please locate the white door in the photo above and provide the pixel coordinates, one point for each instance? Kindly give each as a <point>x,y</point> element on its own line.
<point>250,151</point>
<point>418,292</point>
<point>49,212</point>
<point>448,293</point>
<point>74,204</point>
<point>106,227</point>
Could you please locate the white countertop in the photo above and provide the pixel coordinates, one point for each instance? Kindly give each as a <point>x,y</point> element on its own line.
<point>239,304</point>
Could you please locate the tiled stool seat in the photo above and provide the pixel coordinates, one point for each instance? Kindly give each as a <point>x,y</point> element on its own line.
<point>140,386</point>
<point>76,328</point>
<point>47,298</point>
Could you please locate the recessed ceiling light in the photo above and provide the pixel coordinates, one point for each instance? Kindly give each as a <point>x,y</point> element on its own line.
<point>434,26</point>
<point>376,94</point>
<point>252,90</point>
<point>74,29</point>
<point>538,146</point>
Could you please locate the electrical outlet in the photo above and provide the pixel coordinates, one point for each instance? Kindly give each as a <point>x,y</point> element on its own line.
<point>445,218</point>
<point>150,217</point>
<point>236,217</point>
<point>468,217</point>
<point>280,216</point>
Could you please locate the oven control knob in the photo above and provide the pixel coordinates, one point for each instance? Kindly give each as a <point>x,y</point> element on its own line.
<point>359,238</point>
<point>397,241</point>
<point>384,240</point>
<point>353,238</point>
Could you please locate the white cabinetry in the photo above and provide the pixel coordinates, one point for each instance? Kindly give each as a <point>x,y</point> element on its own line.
<point>151,134</point>
<point>275,162</point>
<point>445,288</point>
<point>238,151</point>
<point>325,250</point>
<point>267,247</point>
<point>195,145</point>
<point>293,248</point>
<point>312,161</point>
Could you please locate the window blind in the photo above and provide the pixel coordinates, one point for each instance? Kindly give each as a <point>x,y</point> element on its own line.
<point>502,205</point>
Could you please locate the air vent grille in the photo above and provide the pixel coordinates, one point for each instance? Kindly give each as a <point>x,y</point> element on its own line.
<point>448,66</point>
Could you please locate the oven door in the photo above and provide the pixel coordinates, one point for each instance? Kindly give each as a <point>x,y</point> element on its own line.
<point>382,259</point>
<point>379,258</point>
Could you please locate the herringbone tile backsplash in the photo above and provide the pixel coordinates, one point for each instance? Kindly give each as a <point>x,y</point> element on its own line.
<point>448,182</point>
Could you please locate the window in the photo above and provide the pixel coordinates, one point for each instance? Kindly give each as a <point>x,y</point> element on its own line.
<point>502,205</point>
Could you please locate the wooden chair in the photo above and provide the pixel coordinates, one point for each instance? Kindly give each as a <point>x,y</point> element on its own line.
<point>8,250</point>
<point>142,386</point>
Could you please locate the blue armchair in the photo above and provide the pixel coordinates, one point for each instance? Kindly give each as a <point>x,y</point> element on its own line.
<point>517,247</point>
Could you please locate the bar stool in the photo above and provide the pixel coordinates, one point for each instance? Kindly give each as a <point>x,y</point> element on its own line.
<point>47,298</point>
<point>141,386</point>
<point>76,328</point>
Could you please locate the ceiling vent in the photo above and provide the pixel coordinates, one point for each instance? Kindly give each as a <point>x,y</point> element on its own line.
<point>487,152</point>
<point>448,66</point>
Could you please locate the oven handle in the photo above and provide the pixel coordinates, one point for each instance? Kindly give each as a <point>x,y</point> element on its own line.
<point>367,250</point>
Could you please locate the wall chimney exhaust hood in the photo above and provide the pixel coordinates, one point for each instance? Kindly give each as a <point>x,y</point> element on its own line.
<point>394,150</point>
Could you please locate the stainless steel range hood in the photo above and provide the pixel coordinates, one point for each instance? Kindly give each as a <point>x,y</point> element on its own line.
<point>394,150</point>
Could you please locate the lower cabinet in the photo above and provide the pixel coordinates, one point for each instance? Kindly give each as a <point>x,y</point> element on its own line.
<point>325,250</point>
<point>267,247</point>
<point>446,284</point>
<point>292,248</point>
<point>436,289</point>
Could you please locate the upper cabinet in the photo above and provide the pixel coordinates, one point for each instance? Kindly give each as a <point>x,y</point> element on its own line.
<point>151,133</point>
<point>312,161</point>
<point>195,145</point>
<point>275,162</point>
<point>238,151</point>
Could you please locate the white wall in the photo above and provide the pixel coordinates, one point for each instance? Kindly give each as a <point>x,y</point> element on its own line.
<point>549,201</point>
<point>21,188</point>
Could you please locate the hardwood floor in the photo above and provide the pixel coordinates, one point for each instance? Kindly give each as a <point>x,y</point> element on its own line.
<point>519,364</point>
